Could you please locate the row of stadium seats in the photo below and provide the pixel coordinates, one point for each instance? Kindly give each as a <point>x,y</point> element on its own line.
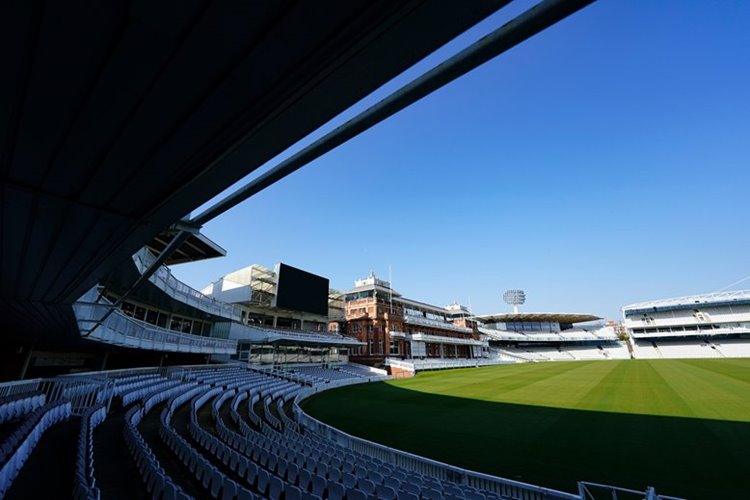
<point>334,472</point>
<point>733,348</point>
<point>568,352</point>
<point>602,351</point>
<point>125,384</point>
<point>642,349</point>
<point>357,370</point>
<point>212,478</point>
<point>85,483</point>
<point>273,459</point>
<point>675,349</point>
<point>322,374</point>
<point>571,335</point>
<point>157,482</point>
<point>444,363</point>
<point>231,433</point>
<point>12,407</point>
<point>147,389</point>
<point>18,446</point>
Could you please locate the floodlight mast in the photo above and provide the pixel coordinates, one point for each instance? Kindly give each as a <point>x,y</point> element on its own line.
<point>514,298</point>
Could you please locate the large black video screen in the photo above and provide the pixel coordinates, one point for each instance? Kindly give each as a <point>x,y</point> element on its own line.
<point>299,290</point>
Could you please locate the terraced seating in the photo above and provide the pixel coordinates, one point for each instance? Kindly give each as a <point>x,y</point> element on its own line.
<point>12,407</point>
<point>157,481</point>
<point>733,347</point>
<point>146,390</point>
<point>81,390</point>
<point>85,484</point>
<point>217,376</point>
<point>213,480</point>
<point>230,433</point>
<point>319,374</point>
<point>16,449</point>
<point>126,384</point>
<point>355,370</point>
<point>300,466</point>
<point>267,454</point>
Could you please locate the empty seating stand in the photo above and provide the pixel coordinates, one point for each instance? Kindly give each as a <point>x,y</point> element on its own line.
<point>280,462</point>
<point>85,484</point>
<point>125,384</point>
<point>13,407</point>
<point>144,390</point>
<point>19,445</point>
<point>216,483</point>
<point>231,432</point>
<point>157,482</point>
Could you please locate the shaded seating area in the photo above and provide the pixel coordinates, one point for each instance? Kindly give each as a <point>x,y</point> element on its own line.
<point>224,432</point>
<point>18,446</point>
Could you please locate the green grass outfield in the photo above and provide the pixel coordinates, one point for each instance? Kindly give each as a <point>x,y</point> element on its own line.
<point>682,426</point>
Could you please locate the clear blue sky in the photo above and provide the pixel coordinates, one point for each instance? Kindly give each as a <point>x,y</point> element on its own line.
<point>605,161</point>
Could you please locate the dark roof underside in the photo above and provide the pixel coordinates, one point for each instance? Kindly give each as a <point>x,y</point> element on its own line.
<point>118,118</point>
<point>196,247</point>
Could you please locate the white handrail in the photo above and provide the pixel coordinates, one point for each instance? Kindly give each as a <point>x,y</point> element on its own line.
<point>120,329</point>
<point>166,281</point>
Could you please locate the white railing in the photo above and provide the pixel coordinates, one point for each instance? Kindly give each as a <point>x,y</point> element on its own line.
<point>285,359</point>
<point>371,369</point>
<point>578,336</point>
<point>595,491</point>
<point>444,363</point>
<point>415,463</point>
<point>82,392</point>
<point>260,335</point>
<point>165,280</point>
<point>508,356</point>
<point>123,372</point>
<point>442,339</point>
<point>122,330</point>
<point>19,387</point>
<point>502,334</point>
<point>400,364</point>
<point>575,335</point>
<point>713,332</point>
<point>420,320</point>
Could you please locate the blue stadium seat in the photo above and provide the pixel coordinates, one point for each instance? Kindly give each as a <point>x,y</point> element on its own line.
<point>336,491</point>
<point>291,492</point>
<point>318,485</point>
<point>276,488</point>
<point>354,494</point>
<point>305,480</point>
<point>385,493</point>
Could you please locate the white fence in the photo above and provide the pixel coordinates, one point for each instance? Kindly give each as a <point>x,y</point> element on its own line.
<point>165,280</point>
<point>416,365</point>
<point>421,320</point>
<point>83,392</point>
<point>119,329</point>
<point>595,491</point>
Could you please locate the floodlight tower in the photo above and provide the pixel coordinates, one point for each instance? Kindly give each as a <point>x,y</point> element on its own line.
<point>514,298</point>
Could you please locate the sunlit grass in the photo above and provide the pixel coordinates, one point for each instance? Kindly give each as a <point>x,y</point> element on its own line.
<point>679,425</point>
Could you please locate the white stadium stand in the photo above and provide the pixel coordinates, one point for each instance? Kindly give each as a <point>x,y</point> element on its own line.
<point>712,325</point>
<point>733,348</point>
